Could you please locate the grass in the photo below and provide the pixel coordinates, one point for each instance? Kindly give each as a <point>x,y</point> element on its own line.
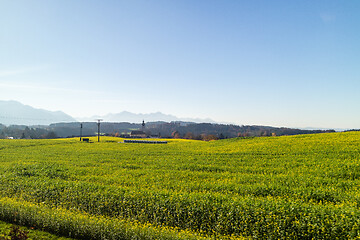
<point>33,234</point>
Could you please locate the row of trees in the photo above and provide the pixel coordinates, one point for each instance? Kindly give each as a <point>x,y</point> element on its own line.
<point>24,132</point>
<point>220,131</point>
<point>200,131</point>
<point>190,135</point>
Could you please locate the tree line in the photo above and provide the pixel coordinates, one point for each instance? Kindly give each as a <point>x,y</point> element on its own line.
<point>186,130</point>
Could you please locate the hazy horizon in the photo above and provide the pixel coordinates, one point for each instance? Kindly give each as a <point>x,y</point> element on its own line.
<point>278,63</point>
<point>124,116</point>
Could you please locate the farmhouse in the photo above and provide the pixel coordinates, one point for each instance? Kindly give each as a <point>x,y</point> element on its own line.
<point>138,134</point>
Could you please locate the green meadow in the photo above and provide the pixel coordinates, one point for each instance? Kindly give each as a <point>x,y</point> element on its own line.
<point>290,187</point>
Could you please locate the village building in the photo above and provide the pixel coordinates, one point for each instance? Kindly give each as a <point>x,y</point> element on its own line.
<point>138,134</point>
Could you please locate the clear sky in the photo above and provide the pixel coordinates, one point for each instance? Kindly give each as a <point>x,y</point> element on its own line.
<point>279,63</point>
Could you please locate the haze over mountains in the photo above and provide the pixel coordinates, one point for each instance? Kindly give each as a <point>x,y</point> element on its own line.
<point>16,113</point>
<point>52,124</point>
<point>126,116</point>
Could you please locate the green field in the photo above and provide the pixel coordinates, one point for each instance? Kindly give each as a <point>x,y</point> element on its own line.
<point>291,187</point>
<point>32,233</point>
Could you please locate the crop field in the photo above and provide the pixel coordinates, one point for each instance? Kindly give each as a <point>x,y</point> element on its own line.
<point>291,187</point>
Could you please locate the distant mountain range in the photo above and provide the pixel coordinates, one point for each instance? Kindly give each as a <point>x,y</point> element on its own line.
<point>15,113</point>
<point>139,117</point>
<point>49,124</point>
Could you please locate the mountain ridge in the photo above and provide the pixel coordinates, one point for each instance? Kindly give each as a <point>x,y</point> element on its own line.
<point>126,116</point>
<point>16,113</point>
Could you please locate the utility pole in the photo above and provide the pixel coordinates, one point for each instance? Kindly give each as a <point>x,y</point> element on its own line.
<point>81,131</point>
<point>99,129</point>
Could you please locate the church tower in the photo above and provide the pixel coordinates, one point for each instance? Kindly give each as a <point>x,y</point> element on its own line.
<point>143,126</point>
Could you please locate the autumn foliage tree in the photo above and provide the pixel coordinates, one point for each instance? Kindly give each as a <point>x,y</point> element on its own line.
<point>175,134</point>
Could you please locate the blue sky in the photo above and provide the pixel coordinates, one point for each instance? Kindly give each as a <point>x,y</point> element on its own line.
<point>278,63</point>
